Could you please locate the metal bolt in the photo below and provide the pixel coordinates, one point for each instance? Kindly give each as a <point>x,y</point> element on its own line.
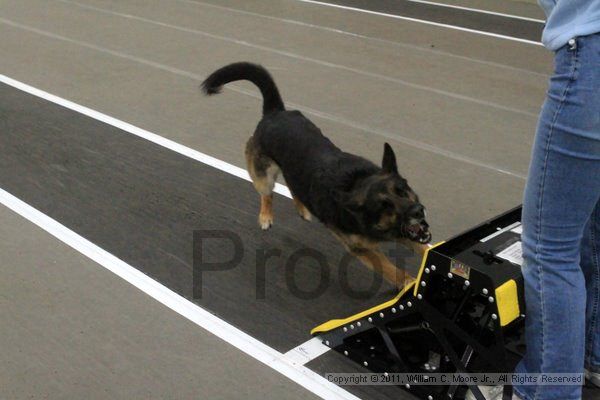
<point>494,317</point>
<point>484,291</point>
<point>433,267</point>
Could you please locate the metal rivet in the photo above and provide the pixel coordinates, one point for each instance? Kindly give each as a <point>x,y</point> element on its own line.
<point>423,283</point>
<point>345,353</point>
<point>491,299</point>
<point>494,316</point>
<point>426,270</point>
<point>467,283</point>
<point>484,291</point>
<point>345,329</point>
<point>393,310</point>
<point>429,397</point>
<point>419,296</point>
<point>370,319</point>
<point>409,304</point>
<point>401,307</point>
<point>358,324</point>
<point>433,267</point>
<point>351,326</point>
<point>450,275</point>
<point>522,315</point>
<point>366,364</point>
<point>327,343</point>
<point>386,374</point>
<point>426,366</point>
<point>381,315</point>
<point>407,386</point>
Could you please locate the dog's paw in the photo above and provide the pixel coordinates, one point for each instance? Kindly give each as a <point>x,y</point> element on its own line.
<point>265,221</point>
<point>305,215</point>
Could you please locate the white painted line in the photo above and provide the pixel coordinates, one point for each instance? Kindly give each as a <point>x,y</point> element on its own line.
<point>296,56</point>
<point>422,21</point>
<point>244,342</point>
<point>255,94</point>
<point>307,351</point>
<point>477,10</point>
<point>363,37</point>
<point>134,130</point>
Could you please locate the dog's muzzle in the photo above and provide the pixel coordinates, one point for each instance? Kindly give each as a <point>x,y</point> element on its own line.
<point>419,232</point>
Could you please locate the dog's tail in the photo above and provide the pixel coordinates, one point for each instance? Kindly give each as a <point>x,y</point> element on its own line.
<point>254,73</point>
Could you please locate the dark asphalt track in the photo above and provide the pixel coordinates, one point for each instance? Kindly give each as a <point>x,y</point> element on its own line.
<point>437,95</point>
<point>142,203</point>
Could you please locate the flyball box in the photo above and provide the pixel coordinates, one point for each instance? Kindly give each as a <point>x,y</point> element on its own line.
<point>463,314</point>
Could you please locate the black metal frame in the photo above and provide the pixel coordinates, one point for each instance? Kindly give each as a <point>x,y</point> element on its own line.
<point>451,319</point>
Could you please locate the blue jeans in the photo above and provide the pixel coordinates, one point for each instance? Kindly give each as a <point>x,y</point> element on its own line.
<point>561,226</point>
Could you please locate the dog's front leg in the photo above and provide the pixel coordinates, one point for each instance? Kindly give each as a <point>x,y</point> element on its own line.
<point>369,254</point>
<point>378,261</point>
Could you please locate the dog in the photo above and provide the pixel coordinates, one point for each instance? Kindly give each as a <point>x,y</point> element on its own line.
<point>361,203</point>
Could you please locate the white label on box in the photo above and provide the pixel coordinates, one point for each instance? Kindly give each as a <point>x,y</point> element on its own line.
<point>513,253</point>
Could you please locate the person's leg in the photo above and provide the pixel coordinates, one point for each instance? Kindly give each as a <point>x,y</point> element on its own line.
<point>590,264</point>
<point>562,190</point>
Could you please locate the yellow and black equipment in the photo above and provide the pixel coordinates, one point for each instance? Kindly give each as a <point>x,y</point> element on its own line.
<point>463,314</point>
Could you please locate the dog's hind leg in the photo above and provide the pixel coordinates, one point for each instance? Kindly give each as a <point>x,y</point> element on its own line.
<point>302,210</point>
<point>263,171</point>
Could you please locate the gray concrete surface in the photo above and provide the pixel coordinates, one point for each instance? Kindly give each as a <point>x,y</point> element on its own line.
<point>148,74</point>
<point>459,108</point>
<point>69,329</point>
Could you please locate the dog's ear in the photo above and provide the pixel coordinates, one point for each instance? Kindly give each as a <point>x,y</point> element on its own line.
<point>388,164</point>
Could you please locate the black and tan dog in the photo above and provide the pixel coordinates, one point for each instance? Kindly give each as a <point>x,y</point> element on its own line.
<point>361,203</point>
